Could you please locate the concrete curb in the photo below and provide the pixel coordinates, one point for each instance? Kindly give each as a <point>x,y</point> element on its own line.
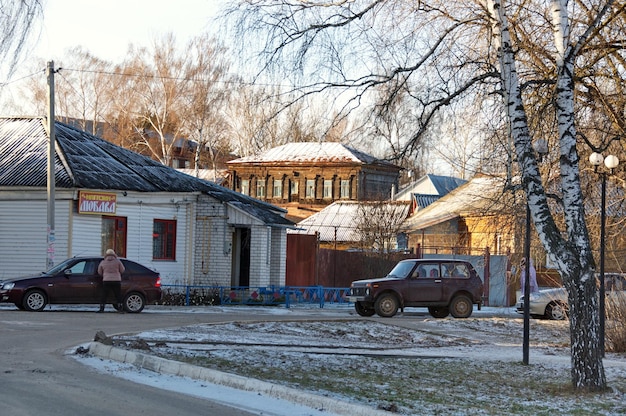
<point>165,366</point>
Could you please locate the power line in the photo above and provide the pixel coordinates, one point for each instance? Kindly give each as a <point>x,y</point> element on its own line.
<point>98,114</point>
<point>138,75</point>
<point>4,84</point>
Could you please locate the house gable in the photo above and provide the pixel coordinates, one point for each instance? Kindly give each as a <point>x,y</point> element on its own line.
<point>429,184</point>
<point>476,214</point>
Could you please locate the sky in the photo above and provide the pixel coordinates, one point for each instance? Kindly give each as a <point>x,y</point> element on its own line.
<point>106,28</point>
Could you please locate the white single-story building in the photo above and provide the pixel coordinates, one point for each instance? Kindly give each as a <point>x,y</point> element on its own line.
<point>192,231</point>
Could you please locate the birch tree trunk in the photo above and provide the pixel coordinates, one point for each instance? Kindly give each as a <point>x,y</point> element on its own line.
<point>572,254</point>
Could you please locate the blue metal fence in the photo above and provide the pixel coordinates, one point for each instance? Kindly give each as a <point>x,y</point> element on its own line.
<point>193,295</point>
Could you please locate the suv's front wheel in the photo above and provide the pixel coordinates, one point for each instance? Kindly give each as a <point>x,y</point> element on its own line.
<point>363,310</point>
<point>386,305</point>
<point>461,307</point>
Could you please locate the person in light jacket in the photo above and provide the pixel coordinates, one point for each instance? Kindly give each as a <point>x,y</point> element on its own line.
<point>111,269</point>
<point>533,276</point>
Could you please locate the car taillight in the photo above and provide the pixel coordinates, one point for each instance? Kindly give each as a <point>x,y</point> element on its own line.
<point>158,282</point>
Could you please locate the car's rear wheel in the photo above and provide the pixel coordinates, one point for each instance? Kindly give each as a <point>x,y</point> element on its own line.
<point>386,305</point>
<point>438,311</point>
<point>557,311</point>
<point>134,302</point>
<point>34,300</point>
<point>363,310</point>
<point>461,306</point>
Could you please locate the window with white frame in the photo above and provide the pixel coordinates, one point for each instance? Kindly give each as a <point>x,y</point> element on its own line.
<point>260,188</point>
<point>278,188</point>
<point>310,188</point>
<point>345,189</point>
<point>294,187</point>
<point>328,188</point>
<point>245,186</point>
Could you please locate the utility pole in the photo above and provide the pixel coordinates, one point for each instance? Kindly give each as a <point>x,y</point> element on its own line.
<point>51,164</point>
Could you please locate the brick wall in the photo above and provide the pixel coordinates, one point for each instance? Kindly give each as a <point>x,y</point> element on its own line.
<point>212,251</point>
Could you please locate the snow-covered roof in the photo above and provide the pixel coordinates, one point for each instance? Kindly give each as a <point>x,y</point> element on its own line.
<point>89,162</point>
<point>311,153</point>
<point>339,220</point>
<point>480,195</point>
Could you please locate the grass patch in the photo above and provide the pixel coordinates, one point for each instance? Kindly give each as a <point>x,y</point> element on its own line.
<point>418,385</point>
<point>338,359</point>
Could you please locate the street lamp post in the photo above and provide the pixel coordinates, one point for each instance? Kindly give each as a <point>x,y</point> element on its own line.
<point>541,147</point>
<point>526,291</point>
<point>611,163</point>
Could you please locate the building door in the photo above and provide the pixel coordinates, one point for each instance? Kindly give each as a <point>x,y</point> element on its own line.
<point>114,234</point>
<point>241,257</point>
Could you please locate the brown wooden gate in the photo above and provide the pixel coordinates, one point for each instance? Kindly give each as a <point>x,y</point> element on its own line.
<point>302,252</point>
<point>308,265</point>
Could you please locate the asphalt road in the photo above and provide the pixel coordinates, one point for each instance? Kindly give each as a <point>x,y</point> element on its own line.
<point>39,378</point>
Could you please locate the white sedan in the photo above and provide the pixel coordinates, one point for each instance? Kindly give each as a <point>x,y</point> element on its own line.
<point>552,303</point>
<point>547,303</point>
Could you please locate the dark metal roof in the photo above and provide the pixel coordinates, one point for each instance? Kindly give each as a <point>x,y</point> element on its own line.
<point>89,162</point>
<point>445,184</point>
<point>422,201</point>
<point>23,150</point>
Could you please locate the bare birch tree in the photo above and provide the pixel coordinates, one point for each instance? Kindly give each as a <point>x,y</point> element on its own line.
<point>82,90</point>
<point>379,223</point>
<point>259,120</point>
<point>150,95</point>
<point>250,120</point>
<point>550,74</point>
<point>18,22</point>
<point>385,130</point>
<point>18,19</point>
<point>206,100</point>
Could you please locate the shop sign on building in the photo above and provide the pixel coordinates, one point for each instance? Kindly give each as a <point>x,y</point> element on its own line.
<point>97,203</point>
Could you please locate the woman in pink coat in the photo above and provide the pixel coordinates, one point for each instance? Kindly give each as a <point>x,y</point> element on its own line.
<point>111,269</point>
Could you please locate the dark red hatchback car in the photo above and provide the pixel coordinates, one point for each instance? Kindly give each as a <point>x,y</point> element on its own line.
<point>76,281</point>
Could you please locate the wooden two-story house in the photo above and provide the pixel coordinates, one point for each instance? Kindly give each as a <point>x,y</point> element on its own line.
<point>306,177</point>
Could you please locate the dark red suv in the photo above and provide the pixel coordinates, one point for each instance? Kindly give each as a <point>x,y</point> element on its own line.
<point>443,286</point>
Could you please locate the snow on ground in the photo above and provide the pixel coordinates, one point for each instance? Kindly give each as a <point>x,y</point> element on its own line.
<point>338,338</point>
<point>262,405</point>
